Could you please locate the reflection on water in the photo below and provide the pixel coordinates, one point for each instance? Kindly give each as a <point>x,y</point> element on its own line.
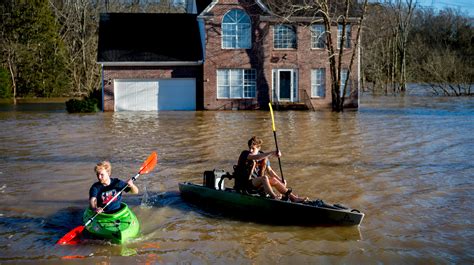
<point>404,161</point>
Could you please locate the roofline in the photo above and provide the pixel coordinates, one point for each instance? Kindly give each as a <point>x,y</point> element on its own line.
<point>297,19</point>
<point>177,63</point>
<point>209,7</point>
<point>263,6</point>
<point>214,2</point>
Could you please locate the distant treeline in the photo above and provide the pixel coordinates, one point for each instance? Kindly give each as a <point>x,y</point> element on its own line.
<point>49,47</point>
<point>403,43</point>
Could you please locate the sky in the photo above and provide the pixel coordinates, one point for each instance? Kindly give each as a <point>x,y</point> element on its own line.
<point>466,6</point>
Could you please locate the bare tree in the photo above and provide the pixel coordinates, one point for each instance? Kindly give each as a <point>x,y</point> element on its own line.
<point>80,20</point>
<point>386,44</point>
<point>330,12</point>
<point>404,13</point>
<point>79,24</point>
<point>442,52</point>
<point>8,51</point>
<point>448,77</point>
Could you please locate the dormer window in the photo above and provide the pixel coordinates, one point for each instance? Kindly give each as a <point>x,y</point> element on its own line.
<point>236,30</point>
<point>284,37</point>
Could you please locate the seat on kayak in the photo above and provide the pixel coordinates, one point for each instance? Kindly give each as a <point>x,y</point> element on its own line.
<point>240,178</point>
<point>215,179</point>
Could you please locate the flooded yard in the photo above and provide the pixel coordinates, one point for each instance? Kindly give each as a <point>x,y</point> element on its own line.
<point>405,161</point>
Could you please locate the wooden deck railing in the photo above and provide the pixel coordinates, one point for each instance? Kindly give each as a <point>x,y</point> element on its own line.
<point>303,99</point>
<point>306,99</point>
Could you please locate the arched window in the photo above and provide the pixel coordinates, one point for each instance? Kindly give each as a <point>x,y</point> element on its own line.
<point>236,30</point>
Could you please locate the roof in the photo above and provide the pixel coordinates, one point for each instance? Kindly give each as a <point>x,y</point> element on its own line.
<point>202,4</point>
<point>259,3</point>
<point>147,38</point>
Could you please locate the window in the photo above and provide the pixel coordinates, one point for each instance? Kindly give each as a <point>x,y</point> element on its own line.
<point>236,83</point>
<point>318,36</point>
<point>318,83</point>
<point>344,75</point>
<point>284,37</point>
<point>347,41</point>
<point>236,30</point>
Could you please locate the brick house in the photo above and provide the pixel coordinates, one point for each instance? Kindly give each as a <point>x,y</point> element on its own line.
<point>243,58</point>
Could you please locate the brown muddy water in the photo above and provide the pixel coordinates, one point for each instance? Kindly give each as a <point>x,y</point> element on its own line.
<point>406,162</point>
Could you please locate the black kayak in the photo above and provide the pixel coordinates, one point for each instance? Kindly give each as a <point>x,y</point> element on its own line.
<point>260,208</point>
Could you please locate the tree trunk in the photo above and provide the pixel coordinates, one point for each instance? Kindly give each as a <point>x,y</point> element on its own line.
<point>404,21</point>
<point>12,75</point>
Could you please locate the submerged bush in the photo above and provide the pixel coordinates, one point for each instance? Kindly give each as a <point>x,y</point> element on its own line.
<point>91,103</point>
<point>82,105</point>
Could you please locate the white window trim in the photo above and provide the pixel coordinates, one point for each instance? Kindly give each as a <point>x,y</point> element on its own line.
<point>347,43</point>
<point>239,33</point>
<point>230,81</point>
<point>344,75</point>
<point>276,84</point>
<point>294,31</point>
<point>313,33</point>
<point>321,85</point>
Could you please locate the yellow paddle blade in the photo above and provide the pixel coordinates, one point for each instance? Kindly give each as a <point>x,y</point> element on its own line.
<point>273,119</point>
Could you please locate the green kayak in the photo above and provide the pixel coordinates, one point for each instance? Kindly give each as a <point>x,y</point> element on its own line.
<point>117,227</point>
<point>213,195</point>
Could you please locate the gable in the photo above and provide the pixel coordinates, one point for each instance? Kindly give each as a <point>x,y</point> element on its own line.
<point>254,3</point>
<point>147,38</point>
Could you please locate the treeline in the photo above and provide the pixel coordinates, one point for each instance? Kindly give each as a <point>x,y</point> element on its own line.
<point>34,56</point>
<point>49,47</point>
<point>405,43</point>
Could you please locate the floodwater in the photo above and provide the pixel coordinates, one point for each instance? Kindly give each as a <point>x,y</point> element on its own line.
<point>405,161</point>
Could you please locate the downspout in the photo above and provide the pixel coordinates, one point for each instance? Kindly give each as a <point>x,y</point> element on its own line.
<point>358,69</point>
<point>202,34</point>
<point>102,81</point>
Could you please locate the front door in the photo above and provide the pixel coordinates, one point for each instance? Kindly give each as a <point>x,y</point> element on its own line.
<point>284,78</point>
<point>284,84</point>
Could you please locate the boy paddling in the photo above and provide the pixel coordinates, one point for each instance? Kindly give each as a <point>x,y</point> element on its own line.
<point>106,188</point>
<point>259,174</point>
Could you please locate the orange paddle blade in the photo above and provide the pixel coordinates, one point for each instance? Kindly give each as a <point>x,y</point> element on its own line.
<point>149,164</point>
<point>71,238</point>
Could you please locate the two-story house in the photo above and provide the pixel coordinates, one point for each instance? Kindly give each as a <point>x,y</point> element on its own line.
<point>232,54</point>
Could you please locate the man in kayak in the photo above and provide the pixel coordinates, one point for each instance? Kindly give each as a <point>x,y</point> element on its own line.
<point>257,172</point>
<point>106,188</point>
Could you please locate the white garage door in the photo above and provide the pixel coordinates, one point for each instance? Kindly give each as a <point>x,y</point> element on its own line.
<point>136,95</point>
<point>152,95</point>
